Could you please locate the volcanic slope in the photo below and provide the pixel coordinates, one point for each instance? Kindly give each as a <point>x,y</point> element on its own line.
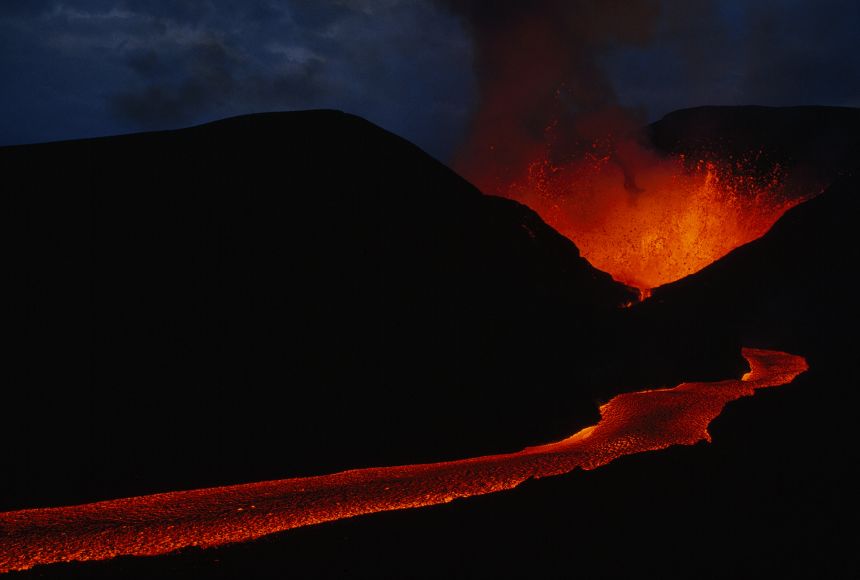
<point>786,289</point>
<point>280,295</point>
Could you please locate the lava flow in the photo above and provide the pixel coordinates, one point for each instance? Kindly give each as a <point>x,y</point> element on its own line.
<point>157,524</point>
<point>649,220</point>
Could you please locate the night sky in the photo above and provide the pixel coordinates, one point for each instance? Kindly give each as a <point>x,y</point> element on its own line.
<point>97,67</point>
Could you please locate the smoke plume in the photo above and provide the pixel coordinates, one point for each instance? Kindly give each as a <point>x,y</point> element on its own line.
<point>541,83</point>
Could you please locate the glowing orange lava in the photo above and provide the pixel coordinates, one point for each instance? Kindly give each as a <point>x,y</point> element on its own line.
<point>649,220</point>
<point>157,524</point>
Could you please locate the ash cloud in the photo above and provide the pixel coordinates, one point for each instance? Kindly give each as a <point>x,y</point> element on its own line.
<point>539,71</point>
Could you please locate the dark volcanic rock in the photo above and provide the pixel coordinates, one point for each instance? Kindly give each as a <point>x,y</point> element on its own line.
<point>277,295</point>
<point>790,289</point>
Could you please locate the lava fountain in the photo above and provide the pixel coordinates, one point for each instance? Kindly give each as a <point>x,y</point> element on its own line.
<point>648,219</point>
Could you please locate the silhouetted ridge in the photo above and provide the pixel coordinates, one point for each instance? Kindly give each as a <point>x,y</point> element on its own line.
<point>283,294</point>
<point>788,288</point>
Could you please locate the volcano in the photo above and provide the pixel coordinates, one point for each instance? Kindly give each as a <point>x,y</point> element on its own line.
<point>296,294</point>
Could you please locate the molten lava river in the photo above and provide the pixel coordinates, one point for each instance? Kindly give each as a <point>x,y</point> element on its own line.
<point>158,524</point>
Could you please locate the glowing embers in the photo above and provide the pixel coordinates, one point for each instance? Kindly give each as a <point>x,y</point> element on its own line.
<point>162,523</point>
<point>649,220</point>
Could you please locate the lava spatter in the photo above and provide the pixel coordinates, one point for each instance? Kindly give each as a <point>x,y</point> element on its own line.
<point>652,220</point>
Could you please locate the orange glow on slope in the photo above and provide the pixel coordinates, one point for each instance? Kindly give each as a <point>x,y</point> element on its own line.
<point>162,523</point>
<point>649,220</point>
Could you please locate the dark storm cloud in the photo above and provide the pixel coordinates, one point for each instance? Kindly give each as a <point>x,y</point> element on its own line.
<point>803,60</point>
<point>205,60</point>
<point>768,52</point>
<point>30,8</point>
<point>212,74</point>
<point>404,64</point>
<point>73,68</point>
